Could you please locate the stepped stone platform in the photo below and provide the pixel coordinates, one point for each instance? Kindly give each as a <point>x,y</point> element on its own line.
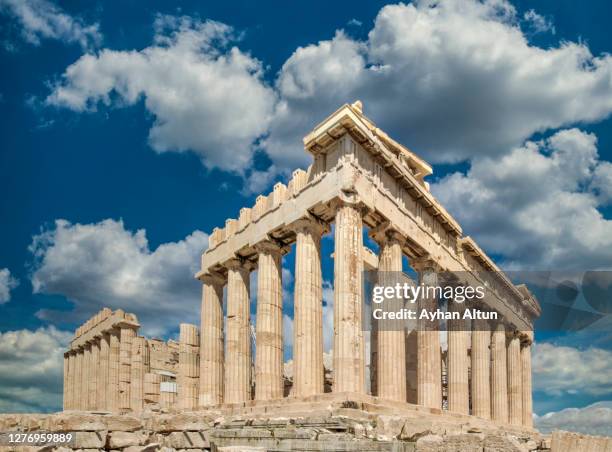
<point>326,422</point>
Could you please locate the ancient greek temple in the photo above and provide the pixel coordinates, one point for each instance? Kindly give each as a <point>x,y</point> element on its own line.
<point>361,180</point>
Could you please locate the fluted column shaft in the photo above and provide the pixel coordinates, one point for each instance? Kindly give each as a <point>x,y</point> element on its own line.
<point>238,363</point>
<point>481,362</point>
<point>390,336</point>
<point>113,372</point>
<point>349,353</point>
<point>527,387</point>
<point>71,371</point>
<point>189,367</point>
<point>308,370</point>
<point>93,377</point>
<point>515,386</point>
<point>138,368</point>
<point>78,380</point>
<point>499,377</point>
<point>269,334</point>
<point>125,363</point>
<point>429,367</point>
<point>211,343</point>
<point>103,403</point>
<point>458,384</point>
<point>85,377</point>
<point>66,399</point>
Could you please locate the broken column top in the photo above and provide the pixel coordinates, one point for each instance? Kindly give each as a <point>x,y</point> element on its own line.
<point>102,322</point>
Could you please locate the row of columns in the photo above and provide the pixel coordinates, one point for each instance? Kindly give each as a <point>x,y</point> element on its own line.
<point>93,372</point>
<point>501,371</point>
<point>111,372</point>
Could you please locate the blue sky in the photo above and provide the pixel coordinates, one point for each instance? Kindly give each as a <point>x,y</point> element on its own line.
<point>131,129</point>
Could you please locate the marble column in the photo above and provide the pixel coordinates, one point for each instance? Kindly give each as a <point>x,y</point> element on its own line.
<point>86,376</point>
<point>458,384</point>
<point>238,363</point>
<point>103,372</point>
<point>93,377</point>
<point>499,377</point>
<point>211,342</point>
<point>78,380</point>
<point>66,400</point>
<point>481,362</point>
<point>390,340</point>
<point>308,370</point>
<point>515,387</point>
<point>429,367</point>
<point>349,350</point>
<point>126,335</point>
<point>113,371</point>
<point>189,367</point>
<point>139,367</point>
<point>527,417</point>
<point>269,334</point>
<point>71,371</point>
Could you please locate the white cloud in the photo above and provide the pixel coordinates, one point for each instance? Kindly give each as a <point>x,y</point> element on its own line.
<point>452,79</point>
<point>41,19</point>
<point>103,264</point>
<point>31,369</point>
<point>561,370</point>
<point>531,205</point>
<point>538,23</point>
<point>602,183</point>
<point>595,419</point>
<point>205,97</point>
<point>7,283</point>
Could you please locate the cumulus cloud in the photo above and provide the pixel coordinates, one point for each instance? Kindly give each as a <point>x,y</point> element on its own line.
<point>538,23</point>
<point>41,19</point>
<point>103,264</point>
<point>31,369</point>
<point>206,96</point>
<point>560,370</point>
<point>451,79</point>
<point>595,419</point>
<point>7,283</point>
<point>531,205</point>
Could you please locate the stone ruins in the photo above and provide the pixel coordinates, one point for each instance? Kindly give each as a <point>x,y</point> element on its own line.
<point>360,180</point>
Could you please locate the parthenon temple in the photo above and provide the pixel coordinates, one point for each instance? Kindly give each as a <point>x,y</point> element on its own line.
<point>361,182</point>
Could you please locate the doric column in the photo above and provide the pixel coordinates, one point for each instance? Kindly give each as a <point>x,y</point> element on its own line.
<point>429,367</point>
<point>103,403</point>
<point>308,370</point>
<point>499,377</point>
<point>126,335</point>
<point>93,377</point>
<point>526,374</point>
<point>269,334</point>
<point>113,371</point>
<point>189,367</point>
<point>349,353</point>
<point>211,342</point>
<point>71,371</point>
<point>138,369</point>
<point>78,380</point>
<point>86,376</point>
<point>151,388</point>
<point>238,362</point>
<point>457,371</point>
<point>481,362</point>
<point>515,387</point>
<point>66,399</point>
<point>390,342</point>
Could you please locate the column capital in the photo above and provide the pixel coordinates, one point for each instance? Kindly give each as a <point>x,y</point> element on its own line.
<point>425,264</point>
<point>310,224</point>
<point>349,199</point>
<point>238,263</point>
<point>213,278</point>
<point>270,246</point>
<point>526,338</point>
<point>385,232</point>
